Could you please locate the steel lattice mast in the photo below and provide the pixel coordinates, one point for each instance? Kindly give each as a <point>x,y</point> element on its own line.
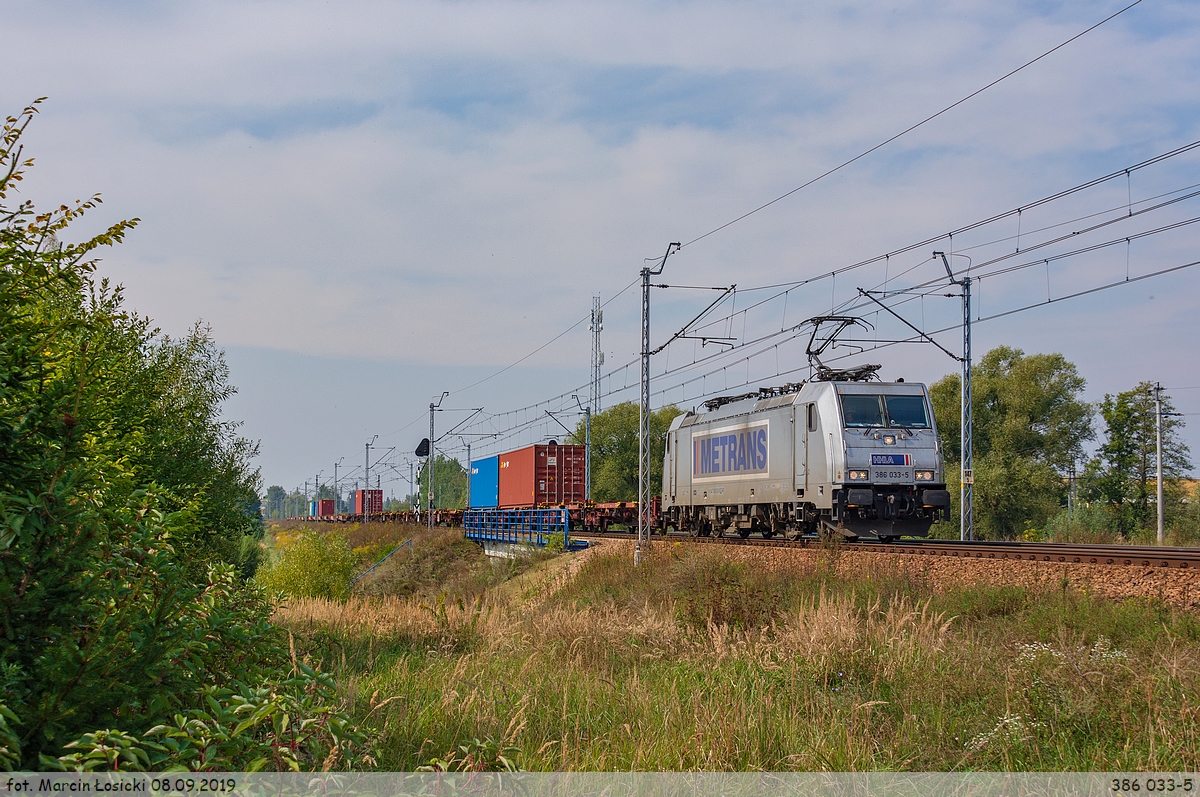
<point>967,489</point>
<point>966,419</point>
<point>597,355</point>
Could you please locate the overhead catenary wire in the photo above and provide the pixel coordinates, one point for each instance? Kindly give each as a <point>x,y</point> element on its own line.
<point>769,341</point>
<point>911,128</point>
<point>886,258</point>
<point>744,312</point>
<point>868,346</point>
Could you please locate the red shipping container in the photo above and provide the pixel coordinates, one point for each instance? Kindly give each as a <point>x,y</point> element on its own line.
<point>325,507</point>
<point>368,502</point>
<point>543,474</point>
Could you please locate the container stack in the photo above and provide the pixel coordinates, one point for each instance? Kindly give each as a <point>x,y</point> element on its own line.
<point>485,483</point>
<point>541,475</point>
<point>368,502</point>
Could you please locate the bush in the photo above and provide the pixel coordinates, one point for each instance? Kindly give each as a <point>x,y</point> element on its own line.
<point>1083,524</point>
<point>126,511</point>
<point>312,566</point>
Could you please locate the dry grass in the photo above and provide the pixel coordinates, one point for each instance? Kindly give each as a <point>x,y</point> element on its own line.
<point>583,662</point>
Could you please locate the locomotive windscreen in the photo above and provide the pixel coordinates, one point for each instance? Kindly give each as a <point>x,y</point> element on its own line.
<point>885,411</point>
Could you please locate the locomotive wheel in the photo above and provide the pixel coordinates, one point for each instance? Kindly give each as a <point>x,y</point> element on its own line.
<point>768,533</point>
<point>743,533</point>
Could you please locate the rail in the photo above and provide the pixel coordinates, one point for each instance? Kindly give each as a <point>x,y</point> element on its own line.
<point>1044,552</point>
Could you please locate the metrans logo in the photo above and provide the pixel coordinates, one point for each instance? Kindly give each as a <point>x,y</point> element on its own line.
<point>731,451</point>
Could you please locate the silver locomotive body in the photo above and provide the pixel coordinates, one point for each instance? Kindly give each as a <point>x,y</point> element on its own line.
<point>860,458</point>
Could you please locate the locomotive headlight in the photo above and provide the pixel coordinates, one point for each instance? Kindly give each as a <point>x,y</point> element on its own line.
<point>924,475</point>
<point>859,475</point>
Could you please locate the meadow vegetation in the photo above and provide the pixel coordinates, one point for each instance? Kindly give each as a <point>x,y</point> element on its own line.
<point>691,661</point>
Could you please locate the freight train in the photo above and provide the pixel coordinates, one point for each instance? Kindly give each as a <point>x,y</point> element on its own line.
<point>841,455</point>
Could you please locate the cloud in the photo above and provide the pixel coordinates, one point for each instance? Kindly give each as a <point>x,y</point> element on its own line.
<point>446,185</point>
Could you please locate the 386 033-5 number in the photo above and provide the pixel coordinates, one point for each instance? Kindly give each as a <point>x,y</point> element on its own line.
<point>1152,784</point>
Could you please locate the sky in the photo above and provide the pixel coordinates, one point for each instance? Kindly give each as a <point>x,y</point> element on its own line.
<point>371,203</point>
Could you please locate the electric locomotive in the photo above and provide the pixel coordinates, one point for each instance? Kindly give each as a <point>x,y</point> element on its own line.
<point>839,456</point>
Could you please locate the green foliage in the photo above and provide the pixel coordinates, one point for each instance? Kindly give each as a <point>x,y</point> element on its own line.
<point>249,556</point>
<point>274,500</point>
<point>449,484</point>
<point>555,543</point>
<point>241,708</point>
<point>125,503</point>
<point>1088,523</point>
<point>285,726</point>
<point>476,756</point>
<point>314,565</point>
<point>1124,471</point>
<point>1029,426</point>
<point>615,450</point>
<point>10,744</point>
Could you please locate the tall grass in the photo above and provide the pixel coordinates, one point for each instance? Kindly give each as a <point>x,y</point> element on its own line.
<point>694,662</point>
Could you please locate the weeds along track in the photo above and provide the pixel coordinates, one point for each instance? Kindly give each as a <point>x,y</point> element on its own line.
<point>1171,575</point>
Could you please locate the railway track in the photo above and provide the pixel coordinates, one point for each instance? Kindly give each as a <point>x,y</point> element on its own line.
<point>1047,552</point>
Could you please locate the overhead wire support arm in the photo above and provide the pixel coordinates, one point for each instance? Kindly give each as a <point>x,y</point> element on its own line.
<point>454,429</point>
<point>683,331</point>
<point>905,321</point>
<point>560,423</point>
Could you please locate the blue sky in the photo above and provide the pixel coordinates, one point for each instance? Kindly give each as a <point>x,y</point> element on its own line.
<point>412,195</point>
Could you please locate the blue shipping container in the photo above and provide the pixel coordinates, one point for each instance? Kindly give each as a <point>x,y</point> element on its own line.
<point>485,483</point>
<point>312,508</point>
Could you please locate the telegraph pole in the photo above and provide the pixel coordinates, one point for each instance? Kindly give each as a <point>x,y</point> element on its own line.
<point>967,481</point>
<point>644,409</point>
<point>1158,416</point>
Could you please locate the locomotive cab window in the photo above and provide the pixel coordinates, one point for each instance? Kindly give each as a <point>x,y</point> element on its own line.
<point>812,417</point>
<point>906,412</point>
<point>863,410</point>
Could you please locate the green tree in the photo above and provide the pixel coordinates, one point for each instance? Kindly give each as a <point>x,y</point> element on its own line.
<point>119,525</point>
<point>1029,425</point>
<point>1124,472</point>
<point>275,498</point>
<point>449,484</point>
<point>615,450</point>
<point>176,438</point>
<point>312,566</point>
